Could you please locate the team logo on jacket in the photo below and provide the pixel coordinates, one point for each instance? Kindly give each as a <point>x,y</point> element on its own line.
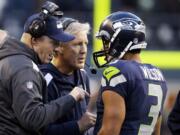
<point>29,84</point>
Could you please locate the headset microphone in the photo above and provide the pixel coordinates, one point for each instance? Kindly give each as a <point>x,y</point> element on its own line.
<point>92,69</point>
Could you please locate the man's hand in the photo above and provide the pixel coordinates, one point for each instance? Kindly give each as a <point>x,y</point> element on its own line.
<point>87,121</point>
<point>78,93</point>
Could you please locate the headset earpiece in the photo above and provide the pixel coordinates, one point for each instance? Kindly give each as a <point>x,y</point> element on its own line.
<point>37,27</point>
<point>67,21</point>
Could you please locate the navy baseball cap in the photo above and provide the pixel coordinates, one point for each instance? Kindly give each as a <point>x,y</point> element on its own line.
<point>54,28</point>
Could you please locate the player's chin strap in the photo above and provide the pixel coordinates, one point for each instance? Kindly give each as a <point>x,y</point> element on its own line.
<point>115,35</point>
<point>125,49</point>
<point>141,45</point>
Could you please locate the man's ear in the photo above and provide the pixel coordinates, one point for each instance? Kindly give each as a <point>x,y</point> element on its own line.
<point>57,50</point>
<point>61,49</point>
<point>34,41</point>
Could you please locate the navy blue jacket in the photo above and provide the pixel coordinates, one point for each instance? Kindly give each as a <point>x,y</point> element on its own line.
<point>174,117</point>
<point>60,85</point>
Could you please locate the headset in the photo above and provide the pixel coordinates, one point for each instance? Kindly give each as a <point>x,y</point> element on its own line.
<point>66,21</point>
<point>38,26</point>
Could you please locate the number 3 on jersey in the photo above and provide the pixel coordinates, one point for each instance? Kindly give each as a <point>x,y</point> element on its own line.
<point>153,90</point>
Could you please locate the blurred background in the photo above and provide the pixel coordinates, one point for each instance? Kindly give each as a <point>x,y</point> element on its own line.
<point>162,18</point>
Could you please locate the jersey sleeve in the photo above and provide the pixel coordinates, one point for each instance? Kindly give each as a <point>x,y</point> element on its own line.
<point>113,79</point>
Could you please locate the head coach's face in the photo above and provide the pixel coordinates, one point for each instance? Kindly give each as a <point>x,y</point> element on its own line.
<point>45,44</point>
<point>73,53</point>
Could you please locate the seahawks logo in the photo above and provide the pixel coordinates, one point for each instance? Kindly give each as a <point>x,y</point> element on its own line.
<point>129,24</point>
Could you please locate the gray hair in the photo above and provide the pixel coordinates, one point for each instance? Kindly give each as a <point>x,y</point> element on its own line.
<point>76,27</point>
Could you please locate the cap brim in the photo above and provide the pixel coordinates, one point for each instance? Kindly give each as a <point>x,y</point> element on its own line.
<point>62,37</point>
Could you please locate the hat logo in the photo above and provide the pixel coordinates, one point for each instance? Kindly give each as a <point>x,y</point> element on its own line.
<point>59,25</point>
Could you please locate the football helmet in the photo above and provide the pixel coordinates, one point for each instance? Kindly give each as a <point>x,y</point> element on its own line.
<point>120,32</point>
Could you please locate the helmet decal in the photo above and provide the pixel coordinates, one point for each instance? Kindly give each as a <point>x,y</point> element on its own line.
<point>129,24</point>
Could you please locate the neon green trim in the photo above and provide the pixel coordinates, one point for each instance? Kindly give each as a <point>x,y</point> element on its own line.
<point>110,71</point>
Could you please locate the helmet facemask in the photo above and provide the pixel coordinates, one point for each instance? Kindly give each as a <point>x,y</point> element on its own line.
<point>103,54</point>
